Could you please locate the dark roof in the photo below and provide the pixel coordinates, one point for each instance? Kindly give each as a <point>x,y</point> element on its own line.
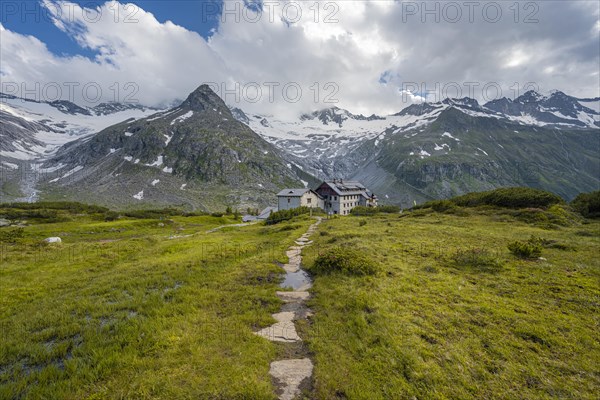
<point>344,188</point>
<point>264,214</point>
<point>293,192</point>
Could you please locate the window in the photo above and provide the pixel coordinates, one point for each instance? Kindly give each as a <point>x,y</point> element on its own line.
<point>308,200</point>
<point>335,198</point>
<point>289,200</point>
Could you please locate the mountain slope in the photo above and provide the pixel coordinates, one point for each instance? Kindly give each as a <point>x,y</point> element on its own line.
<point>196,154</point>
<point>550,142</point>
<point>459,153</point>
<point>558,109</point>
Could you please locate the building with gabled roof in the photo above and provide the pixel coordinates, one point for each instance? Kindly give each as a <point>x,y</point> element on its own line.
<point>340,196</point>
<point>294,198</point>
<point>334,197</point>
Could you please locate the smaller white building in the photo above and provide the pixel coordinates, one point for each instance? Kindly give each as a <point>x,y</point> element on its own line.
<point>294,198</point>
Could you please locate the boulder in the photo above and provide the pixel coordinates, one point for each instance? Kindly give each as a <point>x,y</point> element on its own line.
<point>4,222</point>
<point>54,239</point>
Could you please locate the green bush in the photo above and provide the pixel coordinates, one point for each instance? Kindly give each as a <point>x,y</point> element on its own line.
<point>362,223</point>
<point>111,216</point>
<point>362,210</point>
<point>475,258</point>
<point>11,235</point>
<point>515,197</point>
<point>285,215</point>
<point>72,207</point>
<point>587,204</point>
<point>43,215</point>
<point>555,215</point>
<point>289,227</point>
<point>153,213</point>
<point>344,260</point>
<point>532,248</point>
<point>388,209</point>
<point>441,205</point>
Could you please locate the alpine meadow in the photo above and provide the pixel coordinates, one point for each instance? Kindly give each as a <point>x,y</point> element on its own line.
<point>297,200</point>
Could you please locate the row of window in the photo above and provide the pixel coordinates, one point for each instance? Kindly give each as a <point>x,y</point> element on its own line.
<point>353,197</point>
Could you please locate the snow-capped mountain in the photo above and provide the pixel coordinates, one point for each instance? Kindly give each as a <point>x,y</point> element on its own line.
<point>195,154</point>
<point>557,109</point>
<point>324,142</point>
<point>424,151</point>
<point>455,133</point>
<point>32,130</point>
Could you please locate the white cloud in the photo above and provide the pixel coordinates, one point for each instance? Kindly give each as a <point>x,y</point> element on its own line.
<point>344,51</point>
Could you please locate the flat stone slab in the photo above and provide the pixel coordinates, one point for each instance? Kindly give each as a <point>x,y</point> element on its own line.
<point>291,267</point>
<point>293,296</point>
<point>289,374</point>
<point>306,243</point>
<point>283,330</point>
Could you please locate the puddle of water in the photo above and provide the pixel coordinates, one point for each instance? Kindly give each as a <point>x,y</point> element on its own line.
<point>296,280</point>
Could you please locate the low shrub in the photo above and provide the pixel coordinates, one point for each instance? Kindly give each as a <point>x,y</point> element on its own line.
<point>11,235</point>
<point>475,258</point>
<point>111,216</point>
<point>344,260</point>
<point>442,205</point>
<point>290,227</point>
<point>362,210</point>
<point>514,197</point>
<point>286,215</point>
<point>532,248</point>
<point>549,243</point>
<point>388,209</point>
<point>587,204</point>
<point>556,215</point>
<point>42,215</point>
<point>153,213</point>
<point>362,223</point>
<point>72,207</point>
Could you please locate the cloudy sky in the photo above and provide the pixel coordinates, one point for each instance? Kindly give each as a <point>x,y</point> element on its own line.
<point>287,57</point>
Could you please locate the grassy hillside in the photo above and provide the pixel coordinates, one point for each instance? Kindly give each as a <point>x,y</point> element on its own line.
<point>139,308</point>
<point>450,312</point>
<point>427,304</point>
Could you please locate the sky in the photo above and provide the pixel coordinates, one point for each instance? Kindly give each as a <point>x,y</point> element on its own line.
<point>285,57</point>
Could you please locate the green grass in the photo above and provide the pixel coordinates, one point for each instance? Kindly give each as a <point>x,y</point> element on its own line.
<point>161,309</point>
<point>119,310</point>
<point>452,314</point>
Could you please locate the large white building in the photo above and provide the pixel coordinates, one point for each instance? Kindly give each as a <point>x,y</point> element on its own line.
<point>335,197</point>
<point>340,196</point>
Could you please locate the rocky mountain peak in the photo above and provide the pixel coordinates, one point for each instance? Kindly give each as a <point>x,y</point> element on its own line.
<point>204,98</point>
<point>530,96</point>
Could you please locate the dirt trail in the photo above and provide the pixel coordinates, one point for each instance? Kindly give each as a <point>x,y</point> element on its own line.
<point>290,374</point>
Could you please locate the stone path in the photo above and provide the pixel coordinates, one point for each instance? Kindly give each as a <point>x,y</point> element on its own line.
<point>290,374</point>
<point>230,225</point>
